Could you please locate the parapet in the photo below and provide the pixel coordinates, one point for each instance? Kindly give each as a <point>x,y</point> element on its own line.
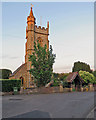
<point>42,30</point>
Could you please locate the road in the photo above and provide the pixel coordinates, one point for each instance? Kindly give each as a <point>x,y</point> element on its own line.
<point>57,105</point>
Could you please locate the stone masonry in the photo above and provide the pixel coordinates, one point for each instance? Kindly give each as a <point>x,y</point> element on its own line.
<point>33,33</point>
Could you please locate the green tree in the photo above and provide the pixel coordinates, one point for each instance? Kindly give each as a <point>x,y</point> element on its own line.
<point>42,60</point>
<point>94,73</point>
<point>81,66</point>
<point>55,75</point>
<point>5,73</point>
<point>63,76</point>
<point>87,77</point>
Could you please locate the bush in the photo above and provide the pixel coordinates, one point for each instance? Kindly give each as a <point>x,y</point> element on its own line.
<point>56,83</point>
<point>7,85</point>
<point>87,77</point>
<point>5,73</point>
<point>65,84</point>
<point>60,76</point>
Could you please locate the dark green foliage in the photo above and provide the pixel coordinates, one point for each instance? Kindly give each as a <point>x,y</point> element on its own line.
<point>81,66</point>
<point>4,73</point>
<point>94,80</point>
<point>65,84</point>
<point>42,62</point>
<point>55,75</point>
<point>94,73</point>
<point>63,76</point>
<point>60,76</point>
<point>7,85</point>
<point>56,82</point>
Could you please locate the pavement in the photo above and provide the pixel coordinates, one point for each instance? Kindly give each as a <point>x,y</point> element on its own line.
<point>57,105</point>
<point>91,113</point>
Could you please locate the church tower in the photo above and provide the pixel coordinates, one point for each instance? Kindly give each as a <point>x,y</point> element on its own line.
<point>34,33</point>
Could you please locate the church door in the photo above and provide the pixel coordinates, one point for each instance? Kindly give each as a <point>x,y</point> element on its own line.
<point>22,80</point>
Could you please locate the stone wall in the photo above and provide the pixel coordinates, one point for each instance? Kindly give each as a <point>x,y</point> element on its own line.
<point>45,90</point>
<point>48,90</point>
<point>21,73</point>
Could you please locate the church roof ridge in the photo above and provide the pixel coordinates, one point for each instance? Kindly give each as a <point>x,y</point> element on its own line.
<point>17,69</point>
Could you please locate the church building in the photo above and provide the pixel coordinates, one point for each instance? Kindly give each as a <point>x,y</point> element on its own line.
<point>33,33</point>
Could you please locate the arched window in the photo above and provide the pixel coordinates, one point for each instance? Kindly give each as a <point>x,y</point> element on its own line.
<point>22,80</point>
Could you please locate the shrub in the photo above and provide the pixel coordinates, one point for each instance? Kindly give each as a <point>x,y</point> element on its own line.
<point>56,82</point>
<point>5,73</point>
<point>7,84</point>
<point>65,84</point>
<point>87,77</point>
<point>60,76</point>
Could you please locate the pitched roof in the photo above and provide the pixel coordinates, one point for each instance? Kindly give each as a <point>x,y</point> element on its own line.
<point>17,70</point>
<point>72,76</point>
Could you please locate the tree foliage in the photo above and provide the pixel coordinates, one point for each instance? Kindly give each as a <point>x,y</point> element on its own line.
<point>4,73</point>
<point>81,66</point>
<point>42,60</point>
<point>61,76</point>
<point>87,77</point>
<point>94,73</point>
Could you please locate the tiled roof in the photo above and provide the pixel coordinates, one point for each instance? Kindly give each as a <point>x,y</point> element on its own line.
<point>17,70</point>
<point>72,76</point>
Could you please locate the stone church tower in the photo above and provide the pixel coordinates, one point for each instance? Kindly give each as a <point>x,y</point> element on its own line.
<point>33,33</point>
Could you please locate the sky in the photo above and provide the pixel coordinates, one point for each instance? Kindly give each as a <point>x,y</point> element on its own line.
<point>71,32</point>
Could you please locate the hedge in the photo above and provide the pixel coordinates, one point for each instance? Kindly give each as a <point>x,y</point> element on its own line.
<point>7,84</point>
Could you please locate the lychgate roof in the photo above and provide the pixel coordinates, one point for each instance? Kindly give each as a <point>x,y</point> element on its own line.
<point>72,76</point>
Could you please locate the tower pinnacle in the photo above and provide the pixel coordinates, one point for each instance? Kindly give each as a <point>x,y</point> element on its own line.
<point>48,24</point>
<point>31,12</point>
<point>31,18</point>
<point>31,5</point>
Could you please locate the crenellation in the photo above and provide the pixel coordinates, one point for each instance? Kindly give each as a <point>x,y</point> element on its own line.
<point>39,27</point>
<point>41,30</point>
<point>36,26</point>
